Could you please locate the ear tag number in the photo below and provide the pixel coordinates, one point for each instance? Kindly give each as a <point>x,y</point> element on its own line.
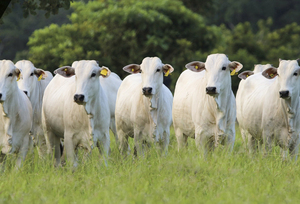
<point>233,72</point>
<point>103,72</point>
<point>167,73</point>
<point>40,77</point>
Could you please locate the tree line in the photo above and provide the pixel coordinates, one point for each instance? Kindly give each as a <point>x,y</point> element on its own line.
<point>117,33</point>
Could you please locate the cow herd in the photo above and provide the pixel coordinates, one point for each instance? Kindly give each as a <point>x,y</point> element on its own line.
<point>82,102</point>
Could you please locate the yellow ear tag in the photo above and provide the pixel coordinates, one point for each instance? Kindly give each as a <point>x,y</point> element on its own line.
<point>196,67</point>
<point>40,77</point>
<point>18,77</point>
<point>272,75</point>
<point>167,73</point>
<point>66,69</point>
<point>103,72</point>
<point>233,72</point>
<point>247,76</point>
<point>132,70</point>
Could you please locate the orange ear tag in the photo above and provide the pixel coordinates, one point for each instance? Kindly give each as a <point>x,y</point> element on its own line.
<point>103,72</point>
<point>40,77</point>
<point>167,73</point>
<point>233,72</point>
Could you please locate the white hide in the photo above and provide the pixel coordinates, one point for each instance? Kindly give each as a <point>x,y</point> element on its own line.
<point>29,82</point>
<point>77,123</point>
<point>110,85</point>
<point>16,113</point>
<point>146,118</point>
<point>266,117</point>
<point>210,119</point>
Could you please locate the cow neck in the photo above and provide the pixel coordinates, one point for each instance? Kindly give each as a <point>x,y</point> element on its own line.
<point>222,102</point>
<point>290,107</point>
<point>152,104</point>
<point>11,100</point>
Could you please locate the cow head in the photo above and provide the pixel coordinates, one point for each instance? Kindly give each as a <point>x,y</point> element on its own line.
<point>27,81</point>
<point>288,78</point>
<point>152,71</point>
<point>257,69</point>
<point>218,69</point>
<point>87,73</point>
<point>8,74</point>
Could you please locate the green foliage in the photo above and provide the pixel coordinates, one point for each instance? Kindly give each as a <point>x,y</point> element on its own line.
<point>117,33</point>
<point>184,177</point>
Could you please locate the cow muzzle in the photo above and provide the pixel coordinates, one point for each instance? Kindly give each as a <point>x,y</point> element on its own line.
<point>1,98</point>
<point>79,98</point>
<point>211,90</point>
<point>147,91</point>
<point>284,94</point>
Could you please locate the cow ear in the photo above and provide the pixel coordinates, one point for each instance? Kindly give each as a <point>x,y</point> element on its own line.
<point>65,71</point>
<point>167,69</point>
<point>195,66</point>
<point>132,68</point>
<point>270,73</point>
<point>245,74</point>
<point>104,72</point>
<point>40,74</point>
<point>17,72</point>
<point>235,67</point>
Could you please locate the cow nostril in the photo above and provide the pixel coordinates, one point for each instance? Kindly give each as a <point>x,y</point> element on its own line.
<point>284,94</point>
<point>211,89</point>
<point>26,92</point>
<point>78,98</point>
<point>0,95</point>
<point>147,90</point>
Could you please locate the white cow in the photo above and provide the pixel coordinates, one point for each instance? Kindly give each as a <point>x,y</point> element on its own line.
<point>144,105</point>
<point>33,82</point>
<point>268,107</point>
<point>258,69</point>
<point>16,113</point>
<point>76,108</point>
<point>204,104</point>
<point>110,85</point>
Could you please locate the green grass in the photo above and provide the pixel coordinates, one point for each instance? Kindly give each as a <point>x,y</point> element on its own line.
<point>184,177</point>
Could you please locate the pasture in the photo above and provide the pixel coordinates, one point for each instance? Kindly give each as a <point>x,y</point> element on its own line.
<point>184,177</point>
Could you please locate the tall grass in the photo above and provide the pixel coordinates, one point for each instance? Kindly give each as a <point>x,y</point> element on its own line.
<point>184,177</point>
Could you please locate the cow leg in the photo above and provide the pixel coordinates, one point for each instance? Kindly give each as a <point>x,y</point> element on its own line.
<point>123,142</point>
<point>138,143</point>
<point>104,144</point>
<point>181,139</point>
<point>293,149</point>
<point>54,143</point>
<point>268,142</point>
<point>204,142</point>
<point>23,150</point>
<point>69,148</point>
<point>166,141</point>
<point>114,130</point>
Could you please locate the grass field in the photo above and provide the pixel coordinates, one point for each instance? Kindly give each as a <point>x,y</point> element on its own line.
<point>176,178</point>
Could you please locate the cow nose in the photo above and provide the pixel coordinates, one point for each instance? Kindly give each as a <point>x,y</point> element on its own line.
<point>78,98</point>
<point>211,90</point>
<point>284,94</point>
<point>147,90</point>
<point>26,93</point>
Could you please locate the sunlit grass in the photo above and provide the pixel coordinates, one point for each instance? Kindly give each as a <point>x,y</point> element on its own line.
<point>185,177</point>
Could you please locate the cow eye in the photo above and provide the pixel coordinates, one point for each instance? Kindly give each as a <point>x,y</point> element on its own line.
<point>158,70</point>
<point>10,75</point>
<point>31,74</point>
<point>223,68</point>
<point>295,74</point>
<point>93,74</point>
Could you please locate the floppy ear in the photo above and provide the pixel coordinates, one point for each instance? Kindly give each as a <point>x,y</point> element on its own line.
<point>235,67</point>
<point>245,74</point>
<point>167,69</point>
<point>270,73</point>
<point>195,66</point>
<point>104,72</point>
<point>132,68</point>
<point>65,71</point>
<point>40,74</point>
<point>17,72</point>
